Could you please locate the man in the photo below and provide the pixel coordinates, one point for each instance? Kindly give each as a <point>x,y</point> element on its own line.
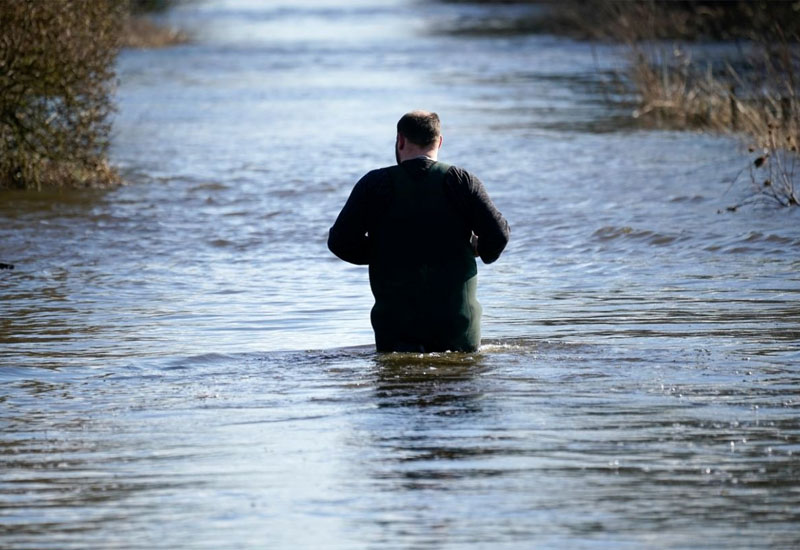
<point>419,226</point>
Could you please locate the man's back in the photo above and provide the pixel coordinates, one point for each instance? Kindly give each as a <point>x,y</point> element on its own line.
<point>422,266</point>
<point>412,224</point>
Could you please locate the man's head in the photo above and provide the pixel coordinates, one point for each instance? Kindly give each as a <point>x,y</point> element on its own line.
<point>418,133</point>
<point>422,128</point>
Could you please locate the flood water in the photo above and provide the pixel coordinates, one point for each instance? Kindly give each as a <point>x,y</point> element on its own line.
<point>183,364</point>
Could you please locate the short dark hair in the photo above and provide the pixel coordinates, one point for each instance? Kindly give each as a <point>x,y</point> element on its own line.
<point>420,127</point>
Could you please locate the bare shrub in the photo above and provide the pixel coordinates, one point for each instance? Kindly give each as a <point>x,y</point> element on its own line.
<point>773,176</point>
<point>56,79</point>
<point>755,96</point>
<point>755,93</point>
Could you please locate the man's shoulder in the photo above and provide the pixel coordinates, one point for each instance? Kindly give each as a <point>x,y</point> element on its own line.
<point>461,177</point>
<point>457,170</point>
<point>374,177</point>
<point>377,173</point>
<point>455,174</point>
<point>375,184</point>
<point>461,170</point>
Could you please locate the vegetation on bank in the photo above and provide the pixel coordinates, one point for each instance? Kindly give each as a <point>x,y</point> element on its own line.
<point>56,84</point>
<point>141,31</point>
<point>753,91</point>
<point>56,78</point>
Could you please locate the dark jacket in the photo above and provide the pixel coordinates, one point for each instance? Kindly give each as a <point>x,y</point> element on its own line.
<point>412,225</point>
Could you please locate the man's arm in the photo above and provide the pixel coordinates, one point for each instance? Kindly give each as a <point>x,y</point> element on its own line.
<point>348,237</point>
<point>487,222</point>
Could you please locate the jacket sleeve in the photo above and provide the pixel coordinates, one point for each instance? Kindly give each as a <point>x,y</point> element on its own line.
<point>348,237</point>
<point>487,222</point>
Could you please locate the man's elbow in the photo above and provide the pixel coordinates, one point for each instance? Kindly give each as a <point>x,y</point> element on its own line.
<point>491,257</point>
<point>336,246</point>
<point>493,247</point>
<point>341,250</point>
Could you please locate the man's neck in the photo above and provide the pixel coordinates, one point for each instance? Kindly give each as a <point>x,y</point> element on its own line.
<point>432,155</point>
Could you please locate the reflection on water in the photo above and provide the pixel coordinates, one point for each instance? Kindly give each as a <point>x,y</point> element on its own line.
<point>184,365</point>
<point>438,381</point>
<point>554,444</point>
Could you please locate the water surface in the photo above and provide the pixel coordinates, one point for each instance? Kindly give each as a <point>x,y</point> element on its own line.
<point>183,364</point>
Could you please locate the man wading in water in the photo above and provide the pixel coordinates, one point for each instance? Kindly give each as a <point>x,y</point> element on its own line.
<point>419,226</point>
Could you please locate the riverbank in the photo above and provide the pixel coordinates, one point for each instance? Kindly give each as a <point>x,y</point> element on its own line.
<point>750,90</point>
<point>724,67</point>
<point>57,88</point>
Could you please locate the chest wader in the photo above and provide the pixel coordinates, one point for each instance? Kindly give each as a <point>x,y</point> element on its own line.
<point>422,270</point>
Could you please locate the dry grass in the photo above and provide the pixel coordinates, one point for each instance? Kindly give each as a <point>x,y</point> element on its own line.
<point>765,111</point>
<point>754,94</point>
<point>671,93</point>
<point>679,94</point>
<point>142,32</point>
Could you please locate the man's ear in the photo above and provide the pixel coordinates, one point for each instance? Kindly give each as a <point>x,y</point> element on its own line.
<point>441,139</point>
<point>401,141</point>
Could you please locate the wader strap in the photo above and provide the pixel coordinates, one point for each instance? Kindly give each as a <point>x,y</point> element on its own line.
<point>407,189</point>
<point>427,303</point>
<point>437,171</point>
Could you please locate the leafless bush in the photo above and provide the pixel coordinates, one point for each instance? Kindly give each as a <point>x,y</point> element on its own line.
<point>773,176</point>
<point>755,94</point>
<point>56,79</point>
